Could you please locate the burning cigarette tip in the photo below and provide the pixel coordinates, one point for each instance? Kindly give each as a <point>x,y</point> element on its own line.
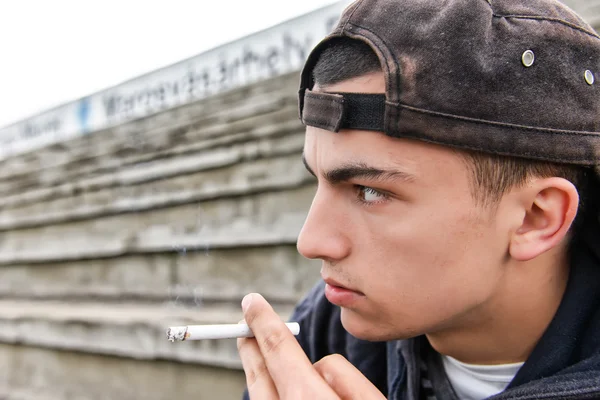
<point>177,333</point>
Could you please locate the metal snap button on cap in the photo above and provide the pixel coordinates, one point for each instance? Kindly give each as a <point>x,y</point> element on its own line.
<point>528,58</point>
<point>589,77</point>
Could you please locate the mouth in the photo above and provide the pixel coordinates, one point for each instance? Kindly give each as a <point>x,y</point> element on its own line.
<point>341,295</point>
<point>333,283</point>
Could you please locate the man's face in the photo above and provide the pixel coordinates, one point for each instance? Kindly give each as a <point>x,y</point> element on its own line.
<point>394,221</point>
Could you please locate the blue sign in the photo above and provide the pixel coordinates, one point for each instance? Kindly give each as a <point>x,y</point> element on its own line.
<point>83,114</point>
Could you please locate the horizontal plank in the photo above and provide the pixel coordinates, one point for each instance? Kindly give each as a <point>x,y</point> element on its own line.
<point>262,219</point>
<point>148,188</point>
<point>182,276</point>
<point>35,373</point>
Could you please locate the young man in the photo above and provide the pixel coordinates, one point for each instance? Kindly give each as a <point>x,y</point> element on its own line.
<point>455,146</point>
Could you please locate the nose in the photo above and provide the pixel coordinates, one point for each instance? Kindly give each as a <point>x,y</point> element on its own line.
<point>323,235</point>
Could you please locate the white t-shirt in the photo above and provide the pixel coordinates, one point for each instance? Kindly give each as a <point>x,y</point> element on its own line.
<point>476,382</point>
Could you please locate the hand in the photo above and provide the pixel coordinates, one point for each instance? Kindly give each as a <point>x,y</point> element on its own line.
<point>276,367</point>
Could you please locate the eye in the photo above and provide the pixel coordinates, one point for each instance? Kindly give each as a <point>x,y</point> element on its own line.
<point>369,195</point>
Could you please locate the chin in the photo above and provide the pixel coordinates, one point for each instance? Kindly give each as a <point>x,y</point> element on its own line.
<point>372,330</point>
<point>362,328</point>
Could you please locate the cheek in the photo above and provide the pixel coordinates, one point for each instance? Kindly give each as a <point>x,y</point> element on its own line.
<point>424,266</point>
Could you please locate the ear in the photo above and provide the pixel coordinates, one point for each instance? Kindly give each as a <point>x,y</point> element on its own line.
<point>550,206</point>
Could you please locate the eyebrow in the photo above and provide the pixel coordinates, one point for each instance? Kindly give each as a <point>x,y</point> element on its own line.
<point>360,170</point>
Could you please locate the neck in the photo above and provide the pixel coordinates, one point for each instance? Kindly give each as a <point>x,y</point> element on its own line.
<point>506,327</point>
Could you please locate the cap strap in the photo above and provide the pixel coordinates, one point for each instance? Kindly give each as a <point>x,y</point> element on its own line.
<point>335,111</point>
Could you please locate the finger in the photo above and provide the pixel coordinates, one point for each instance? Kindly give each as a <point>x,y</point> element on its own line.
<point>291,371</point>
<point>347,381</point>
<point>258,381</point>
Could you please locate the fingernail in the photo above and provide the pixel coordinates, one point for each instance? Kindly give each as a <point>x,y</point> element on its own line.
<point>246,302</point>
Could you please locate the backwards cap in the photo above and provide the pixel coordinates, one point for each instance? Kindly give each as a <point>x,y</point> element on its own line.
<point>509,77</point>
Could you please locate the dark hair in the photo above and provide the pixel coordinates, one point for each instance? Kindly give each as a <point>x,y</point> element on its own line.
<point>343,59</point>
<point>491,175</point>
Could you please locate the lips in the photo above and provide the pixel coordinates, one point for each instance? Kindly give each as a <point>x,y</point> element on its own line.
<point>333,282</point>
<point>341,295</point>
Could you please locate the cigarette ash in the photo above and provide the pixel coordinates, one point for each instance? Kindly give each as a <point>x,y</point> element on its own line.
<point>176,333</point>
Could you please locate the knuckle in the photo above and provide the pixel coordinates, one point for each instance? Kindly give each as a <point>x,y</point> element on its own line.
<point>250,316</point>
<point>273,341</point>
<point>255,373</point>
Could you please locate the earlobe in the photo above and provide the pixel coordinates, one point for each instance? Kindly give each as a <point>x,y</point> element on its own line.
<point>550,208</point>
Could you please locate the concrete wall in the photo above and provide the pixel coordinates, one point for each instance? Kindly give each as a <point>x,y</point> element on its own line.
<point>38,373</point>
<point>588,9</point>
<point>108,239</point>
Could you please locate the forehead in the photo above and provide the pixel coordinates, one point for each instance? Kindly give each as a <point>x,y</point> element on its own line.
<point>430,165</point>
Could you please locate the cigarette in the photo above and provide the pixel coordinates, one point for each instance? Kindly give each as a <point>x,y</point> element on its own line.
<point>226,331</point>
